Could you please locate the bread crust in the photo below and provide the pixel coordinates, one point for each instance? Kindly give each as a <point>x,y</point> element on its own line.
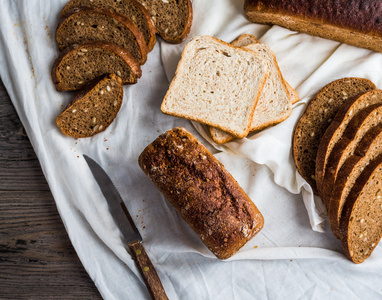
<point>354,22</point>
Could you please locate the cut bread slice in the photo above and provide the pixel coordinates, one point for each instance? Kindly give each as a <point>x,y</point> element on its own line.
<point>275,103</point>
<point>364,120</point>
<point>336,130</point>
<point>100,25</point>
<point>77,65</point>
<point>315,120</point>
<point>361,221</point>
<point>172,18</point>
<point>216,84</point>
<point>93,109</point>
<point>128,8</point>
<point>367,150</point>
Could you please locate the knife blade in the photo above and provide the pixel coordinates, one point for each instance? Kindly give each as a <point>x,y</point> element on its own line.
<point>129,231</point>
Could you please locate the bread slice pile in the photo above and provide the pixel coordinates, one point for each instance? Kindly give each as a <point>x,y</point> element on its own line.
<point>101,37</point>
<point>233,88</point>
<point>337,148</point>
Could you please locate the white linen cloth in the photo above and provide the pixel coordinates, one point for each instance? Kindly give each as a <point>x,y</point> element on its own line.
<point>286,260</point>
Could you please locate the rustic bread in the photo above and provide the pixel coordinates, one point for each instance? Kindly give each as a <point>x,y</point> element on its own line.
<point>361,222</point>
<point>77,65</point>
<point>172,18</point>
<point>317,117</point>
<point>360,124</point>
<point>216,84</point>
<point>92,109</point>
<point>100,25</point>
<point>128,8</point>
<point>356,23</point>
<point>202,191</point>
<point>274,104</point>
<point>367,150</point>
<point>336,129</point>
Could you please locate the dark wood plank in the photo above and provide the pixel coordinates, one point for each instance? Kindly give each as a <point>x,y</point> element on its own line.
<point>37,259</point>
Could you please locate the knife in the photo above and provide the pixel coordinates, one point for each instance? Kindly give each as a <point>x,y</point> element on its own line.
<point>128,229</point>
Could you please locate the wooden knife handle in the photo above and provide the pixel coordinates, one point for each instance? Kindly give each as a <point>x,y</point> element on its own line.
<point>150,275</point>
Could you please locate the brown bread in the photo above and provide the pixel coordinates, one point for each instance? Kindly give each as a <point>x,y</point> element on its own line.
<point>93,109</point>
<point>99,25</point>
<point>355,22</point>
<point>128,8</point>
<point>317,117</point>
<point>202,191</point>
<point>77,65</point>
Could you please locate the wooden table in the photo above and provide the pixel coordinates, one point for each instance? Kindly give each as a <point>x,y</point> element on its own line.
<point>37,259</point>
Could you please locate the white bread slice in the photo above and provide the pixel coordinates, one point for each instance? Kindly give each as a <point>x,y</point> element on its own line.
<point>275,102</point>
<point>216,84</point>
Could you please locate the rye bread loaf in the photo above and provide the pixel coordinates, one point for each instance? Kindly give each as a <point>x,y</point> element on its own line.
<point>355,22</point>
<point>172,18</point>
<point>203,192</point>
<point>100,25</point>
<point>367,150</point>
<point>360,124</point>
<point>336,129</point>
<point>93,108</point>
<point>315,120</point>
<point>78,65</point>
<point>216,84</point>
<point>128,8</point>
<point>361,222</point>
<point>274,104</point>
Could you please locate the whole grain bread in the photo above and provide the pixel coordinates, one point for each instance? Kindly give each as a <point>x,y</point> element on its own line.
<point>216,84</point>
<point>172,18</point>
<point>367,150</point>
<point>100,25</point>
<point>315,120</point>
<point>336,129</point>
<point>203,192</point>
<point>360,124</point>
<point>361,222</point>
<point>355,23</point>
<point>93,108</point>
<point>78,65</point>
<point>128,8</point>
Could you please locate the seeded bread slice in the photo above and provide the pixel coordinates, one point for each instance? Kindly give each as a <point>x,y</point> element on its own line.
<point>128,8</point>
<point>336,130</point>
<point>77,65</point>
<point>93,109</point>
<point>172,18</point>
<point>216,84</point>
<point>361,222</point>
<point>316,119</point>
<point>100,25</point>
<point>367,150</point>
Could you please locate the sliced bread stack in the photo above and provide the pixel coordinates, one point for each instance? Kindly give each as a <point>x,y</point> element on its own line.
<point>234,90</point>
<point>101,37</point>
<point>337,148</point>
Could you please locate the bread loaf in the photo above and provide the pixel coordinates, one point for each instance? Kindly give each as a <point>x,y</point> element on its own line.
<point>355,22</point>
<point>93,108</point>
<point>202,191</point>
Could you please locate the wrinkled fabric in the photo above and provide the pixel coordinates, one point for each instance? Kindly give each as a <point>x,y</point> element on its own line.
<point>294,256</point>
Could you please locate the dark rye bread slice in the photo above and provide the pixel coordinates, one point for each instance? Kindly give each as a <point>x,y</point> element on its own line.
<point>77,65</point>
<point>92,109</point>
<point>316,119</point>
<point>100,25</point>
<point>203,192</point>
<point>361,221</point>
<point>360,124</point>
<point>367,150</point>
<point>128,8</point>
<point>172,18</point>
<point>335,132</point>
